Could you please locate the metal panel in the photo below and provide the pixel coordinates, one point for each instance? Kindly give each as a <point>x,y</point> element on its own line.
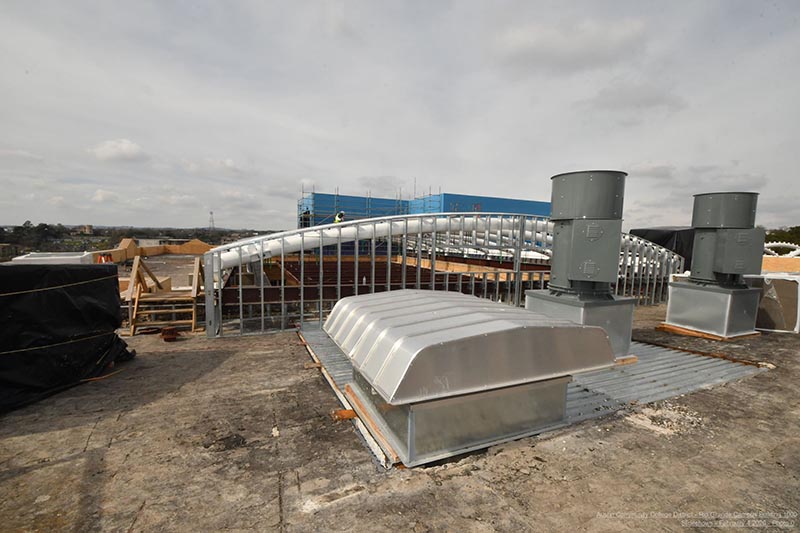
<point>414,346</point>
<point>703,252</point>
<point>726,245</point>
<point>724,210</point>
<point>614,316</point>
<point>659,374</point>
<point>778,308</point>
<point>432,430</point>
<point>588,194</point>
<point>712,309</point>
<point>587,210</point>
<point>659,370</point>
<point>593,251</point>
<point>475,419</point>
<point>739,251</point>
<point>394,418</point>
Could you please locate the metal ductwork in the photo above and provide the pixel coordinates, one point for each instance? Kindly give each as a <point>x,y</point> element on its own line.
<point>726,243</point>
<point>442,373</point>
<point>587,220</point>
<point>727,246</point>
<point>587,225</point>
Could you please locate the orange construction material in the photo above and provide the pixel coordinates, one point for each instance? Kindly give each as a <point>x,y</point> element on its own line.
<point>677,330</point>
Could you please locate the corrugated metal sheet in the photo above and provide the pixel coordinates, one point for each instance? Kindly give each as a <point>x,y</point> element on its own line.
<point>659,374</point>
<point>419,345</point>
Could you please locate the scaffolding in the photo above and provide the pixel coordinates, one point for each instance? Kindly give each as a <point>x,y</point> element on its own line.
<point>317,209</point>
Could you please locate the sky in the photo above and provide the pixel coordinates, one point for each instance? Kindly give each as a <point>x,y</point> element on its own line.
<point>153,113</point>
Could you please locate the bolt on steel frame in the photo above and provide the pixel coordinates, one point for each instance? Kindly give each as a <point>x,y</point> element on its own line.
<point>248,288</point>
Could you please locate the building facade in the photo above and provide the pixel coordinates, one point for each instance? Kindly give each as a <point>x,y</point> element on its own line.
<point>315,209</point>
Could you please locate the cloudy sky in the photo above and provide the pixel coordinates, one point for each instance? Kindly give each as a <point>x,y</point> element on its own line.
<point>154,113</point>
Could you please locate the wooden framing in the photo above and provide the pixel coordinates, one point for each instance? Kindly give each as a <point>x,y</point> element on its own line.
<point>686,332</point>
<point>138,270</point>
<point>145,308</point>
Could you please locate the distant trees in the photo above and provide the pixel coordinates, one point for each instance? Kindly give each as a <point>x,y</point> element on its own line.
<point>791,234</point>
<point>36,237</point>
<point>55,237</point>
<point>204,234</point>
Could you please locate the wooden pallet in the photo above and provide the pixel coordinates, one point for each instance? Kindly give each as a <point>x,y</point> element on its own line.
<point>686,332</point>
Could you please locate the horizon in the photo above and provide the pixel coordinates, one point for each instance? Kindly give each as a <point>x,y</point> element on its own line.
<point>164,112</point>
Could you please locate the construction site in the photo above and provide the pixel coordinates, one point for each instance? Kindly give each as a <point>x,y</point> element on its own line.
<point>379,266</point>
<point>497,367</point>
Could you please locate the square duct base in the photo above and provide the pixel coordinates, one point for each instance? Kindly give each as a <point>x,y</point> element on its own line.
<point>614,316</point>
<point>427,431</point>
<point>711,309</point>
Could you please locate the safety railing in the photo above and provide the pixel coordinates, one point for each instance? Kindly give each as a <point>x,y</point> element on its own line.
<point>285,280</point>
<point>645,270</point>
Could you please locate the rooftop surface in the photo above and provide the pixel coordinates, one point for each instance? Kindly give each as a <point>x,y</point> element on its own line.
<point>235,433</point>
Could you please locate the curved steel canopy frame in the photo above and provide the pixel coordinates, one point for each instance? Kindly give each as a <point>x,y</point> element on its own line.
<point>411,242</point>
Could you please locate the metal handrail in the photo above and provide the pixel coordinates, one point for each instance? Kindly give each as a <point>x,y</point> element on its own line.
<point>369,221</point>
<point>644,267</point>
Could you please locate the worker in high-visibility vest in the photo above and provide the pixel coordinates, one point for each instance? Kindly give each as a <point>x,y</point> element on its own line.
<point>339,217</point>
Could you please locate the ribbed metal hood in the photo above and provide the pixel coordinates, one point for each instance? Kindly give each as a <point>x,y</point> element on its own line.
<point>417,345</point>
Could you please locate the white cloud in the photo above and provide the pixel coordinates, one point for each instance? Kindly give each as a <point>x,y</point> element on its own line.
<point>118,150</point>
<point>572,46</point>
<point>15,153</point>
<point>728,181</point>
<point>104,196</point>
<point>56,201</point>
<point>212,166</point>
<point>466,97</point>
<point>657,171</point>
<point>185,200</point>
<point>238,200</point>
<point>383,186</point>
<point>636,97</point>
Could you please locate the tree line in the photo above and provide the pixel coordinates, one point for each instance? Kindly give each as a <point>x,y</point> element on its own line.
<point>57,237</point>
<point>791,234</point>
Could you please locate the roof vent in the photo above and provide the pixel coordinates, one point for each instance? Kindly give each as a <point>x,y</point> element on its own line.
<point>727,246</point>
<point>443,373</point>
<point>587,222</point>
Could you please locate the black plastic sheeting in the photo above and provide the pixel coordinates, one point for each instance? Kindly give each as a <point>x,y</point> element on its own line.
<point>57,328</point>
<point>678,239</point>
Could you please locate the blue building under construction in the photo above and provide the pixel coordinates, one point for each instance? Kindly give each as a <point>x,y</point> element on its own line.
<point>316,208</point>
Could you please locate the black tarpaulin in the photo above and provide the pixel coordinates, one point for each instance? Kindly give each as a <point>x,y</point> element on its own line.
<point>678,239</point>
<point>57,327</point>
